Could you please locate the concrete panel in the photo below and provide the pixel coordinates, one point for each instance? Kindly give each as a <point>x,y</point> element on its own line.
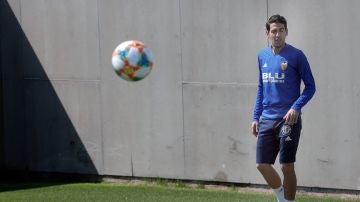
<point>331,136</point>
<point>12,93</point>
<point>63,126</point>
<point>220,39</point>
<point>218,142</point>
<point>64,36</point>
<point>143,120</point>
<point>14,5</point>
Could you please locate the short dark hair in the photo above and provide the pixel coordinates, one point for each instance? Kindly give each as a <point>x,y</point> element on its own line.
<point>276,19</point>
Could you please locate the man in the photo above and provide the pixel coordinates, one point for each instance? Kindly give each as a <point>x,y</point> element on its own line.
<point>276,120</point>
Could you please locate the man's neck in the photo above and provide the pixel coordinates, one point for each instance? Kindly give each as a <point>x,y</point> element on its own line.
<point>277,50</point>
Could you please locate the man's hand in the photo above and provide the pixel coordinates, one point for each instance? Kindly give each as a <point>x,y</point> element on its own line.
<point>255,128</point>
<point>291,117</point>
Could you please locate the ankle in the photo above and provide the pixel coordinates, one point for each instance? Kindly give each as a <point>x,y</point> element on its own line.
<point>279,192</point>
<point>279,189</point>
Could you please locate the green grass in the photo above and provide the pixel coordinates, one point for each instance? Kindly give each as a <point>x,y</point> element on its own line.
<point>155,192</point>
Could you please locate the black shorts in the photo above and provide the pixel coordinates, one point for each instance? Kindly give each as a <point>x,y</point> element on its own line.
<point>275,136</point>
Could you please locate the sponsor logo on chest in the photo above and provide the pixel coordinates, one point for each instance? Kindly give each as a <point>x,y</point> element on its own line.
<point>268,77</point>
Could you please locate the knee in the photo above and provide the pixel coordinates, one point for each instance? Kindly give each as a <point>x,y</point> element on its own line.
<point>261,167</point>
<point>287,168</point>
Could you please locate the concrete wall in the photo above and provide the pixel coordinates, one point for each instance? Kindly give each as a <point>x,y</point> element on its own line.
<point>190,118</point>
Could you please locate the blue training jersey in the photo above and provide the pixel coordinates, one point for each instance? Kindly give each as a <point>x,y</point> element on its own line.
<point>280,77</point>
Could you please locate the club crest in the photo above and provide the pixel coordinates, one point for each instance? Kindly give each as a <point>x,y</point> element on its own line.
<point>285,130</point>
<point>284,65</point>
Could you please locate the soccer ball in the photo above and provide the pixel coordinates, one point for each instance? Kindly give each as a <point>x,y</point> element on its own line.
<point>132,60</point>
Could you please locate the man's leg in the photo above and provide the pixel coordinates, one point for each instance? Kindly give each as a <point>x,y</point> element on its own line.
<point>269,173</point>
<point>289,141</point>
<point>273,180</point>
<point>289,180</point>
<point>267,148</point>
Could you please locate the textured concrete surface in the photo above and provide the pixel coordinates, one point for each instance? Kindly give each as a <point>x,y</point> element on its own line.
<point>58,135</point>
<point>64,37</point>
<point>218,146</point>
<point>143,119</point>
<point>190,118</point>
<point>220,39</point>
<point>12,92</point>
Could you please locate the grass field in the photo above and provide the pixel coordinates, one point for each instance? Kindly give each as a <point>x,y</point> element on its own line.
<point>149,192</point>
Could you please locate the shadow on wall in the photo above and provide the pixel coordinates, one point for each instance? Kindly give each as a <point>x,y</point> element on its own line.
<point>2,153</point>
<point>37,134</point>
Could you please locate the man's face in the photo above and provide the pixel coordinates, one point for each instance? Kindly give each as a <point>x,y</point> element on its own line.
<point>276,35</point>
